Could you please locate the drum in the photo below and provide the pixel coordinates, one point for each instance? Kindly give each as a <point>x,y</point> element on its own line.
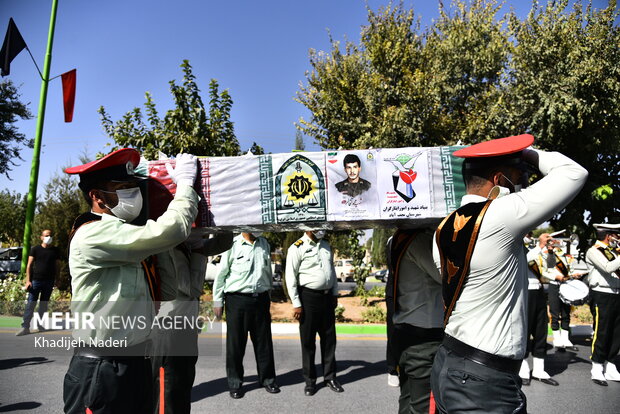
<point>574,292</point>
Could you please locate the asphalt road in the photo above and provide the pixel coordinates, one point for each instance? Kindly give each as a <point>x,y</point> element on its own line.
<point>33,383</point>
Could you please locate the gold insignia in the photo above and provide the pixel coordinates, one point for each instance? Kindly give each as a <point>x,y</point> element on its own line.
<point>299,243</point>
<point>459,223</point>
<point>452,269</point>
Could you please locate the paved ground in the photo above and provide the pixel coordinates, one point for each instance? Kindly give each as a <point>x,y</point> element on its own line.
<point>33,384</point>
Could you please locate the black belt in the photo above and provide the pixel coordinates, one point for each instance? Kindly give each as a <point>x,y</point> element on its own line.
<point>249,295</point>
<point>114,353</point>
<point>497,362</point>
<point>319,291</point>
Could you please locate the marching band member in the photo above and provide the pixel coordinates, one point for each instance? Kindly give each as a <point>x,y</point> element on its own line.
<point>556,268</point>
<point>480,251</point>
<point>605,284</point>
<point>537,321</point>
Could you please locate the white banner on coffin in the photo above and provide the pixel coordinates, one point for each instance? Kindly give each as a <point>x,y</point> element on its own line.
<point>405,182</point>
<point>352,185</point>
<point>234,191</point>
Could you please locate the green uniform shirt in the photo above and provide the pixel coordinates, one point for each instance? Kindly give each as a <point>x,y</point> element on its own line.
<point>245,268</point>
<point>310,264</point>
<point>107,277</point>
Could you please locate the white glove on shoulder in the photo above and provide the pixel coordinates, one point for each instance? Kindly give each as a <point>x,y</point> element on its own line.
<point>184,172</point>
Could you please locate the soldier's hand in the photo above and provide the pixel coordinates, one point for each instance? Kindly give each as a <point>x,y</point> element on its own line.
<point>297,313</point>
<point>219,311</point>
<point>184,171</point>
<point>27,286</point>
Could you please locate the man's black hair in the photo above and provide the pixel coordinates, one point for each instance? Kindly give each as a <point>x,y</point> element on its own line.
<point>350,159</point>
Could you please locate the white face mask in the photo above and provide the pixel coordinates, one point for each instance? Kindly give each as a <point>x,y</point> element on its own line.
<point>497,192</point>
<point>47,239</point>
<point>613,242</point>
<point>319,234</point>
<point>129,204</point>
<point>257,233</point>
<point>516,187</point>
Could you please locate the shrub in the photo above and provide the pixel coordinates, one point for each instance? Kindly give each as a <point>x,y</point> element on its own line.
<point>12,296</point>
<point>374,314</point>
<point>339,311</point>
<point>377,292</point>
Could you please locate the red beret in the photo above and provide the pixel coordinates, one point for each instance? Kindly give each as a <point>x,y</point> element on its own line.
<point>496,147</point>
<point>116,166</point>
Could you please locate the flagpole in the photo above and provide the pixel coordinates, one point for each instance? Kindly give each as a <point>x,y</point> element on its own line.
<point>34,170</point>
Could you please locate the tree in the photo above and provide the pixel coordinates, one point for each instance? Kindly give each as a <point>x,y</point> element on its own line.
<point>565,89</point>
<point>378,252</point>
<point>474,75</point>
<point>12,217</point>
<point>62,202</point>
<point>11,141</point>
<point>299,141</point>
<point>189,127</point>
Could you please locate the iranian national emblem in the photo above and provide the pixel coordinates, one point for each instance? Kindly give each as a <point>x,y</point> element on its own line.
<point>404,175</point>
<point>300,191</point>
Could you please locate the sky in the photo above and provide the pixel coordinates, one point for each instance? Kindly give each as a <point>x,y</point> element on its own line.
<point>258,50</point>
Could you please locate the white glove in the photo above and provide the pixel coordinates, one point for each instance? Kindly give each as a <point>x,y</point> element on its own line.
<point>185,170</point>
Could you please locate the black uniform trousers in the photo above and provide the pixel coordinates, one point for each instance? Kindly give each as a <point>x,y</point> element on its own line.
<point>537,322</point>
<point>108,385</point>
<point>174,369</point>
<point>560,311</point>
<point>606,342</point>
<point>461,385</point>
<point>317,317</point>
<point>245,314</point>
<point>415,349</point>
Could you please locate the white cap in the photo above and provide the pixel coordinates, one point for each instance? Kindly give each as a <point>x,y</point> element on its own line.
<point>608,227</point>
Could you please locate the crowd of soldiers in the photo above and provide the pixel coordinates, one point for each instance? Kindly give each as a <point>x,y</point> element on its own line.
<point>462,311</point>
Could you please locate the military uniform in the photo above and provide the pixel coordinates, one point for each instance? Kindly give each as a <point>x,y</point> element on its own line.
<point>243,286</point>
<point>418,316</point>
<point>110,281</point>
<point>176,350</point>
<point>485,331</point>
<point>551,262</point>
<point>353,189</point>
<point>605,284</point>
<point>312,285</point>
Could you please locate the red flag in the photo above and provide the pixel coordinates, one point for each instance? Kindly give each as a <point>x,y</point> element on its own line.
<point>68,93</point>
<point>12,45</point>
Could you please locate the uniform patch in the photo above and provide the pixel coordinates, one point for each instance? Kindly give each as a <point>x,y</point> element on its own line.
<point>298,243</point>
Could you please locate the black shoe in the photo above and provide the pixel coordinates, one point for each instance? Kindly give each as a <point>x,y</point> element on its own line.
<point>334,385</point>
<point>600,382</point>
<point>236,394</point>
<point>272,388</point>
<point>525,381</point>
<point>310,389</point>
<point>548,381</point>
<point>22,332</point>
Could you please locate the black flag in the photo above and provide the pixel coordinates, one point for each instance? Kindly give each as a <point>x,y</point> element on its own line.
<point>13,44</point>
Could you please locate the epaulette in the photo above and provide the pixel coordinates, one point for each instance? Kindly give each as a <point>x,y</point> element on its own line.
<point>298,243</point>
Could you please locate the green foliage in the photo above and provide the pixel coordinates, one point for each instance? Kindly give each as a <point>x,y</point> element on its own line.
<point>378,251</point>
<point>189,127</point>
<point>12,296</point>
<point>12,218</point>
<point>474,75</point>
<point>374,314</point>
<point>339,312</point>
<point>11,141</point>
<point>377,292</point>
<point>62,202</point>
